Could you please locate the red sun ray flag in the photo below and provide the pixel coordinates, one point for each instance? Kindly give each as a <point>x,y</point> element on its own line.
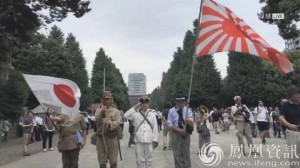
<point>221,30</point>
<point>61,95</point>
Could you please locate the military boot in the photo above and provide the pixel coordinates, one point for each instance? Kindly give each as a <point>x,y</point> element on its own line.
<point>103,166</point>
<point>113,166</point>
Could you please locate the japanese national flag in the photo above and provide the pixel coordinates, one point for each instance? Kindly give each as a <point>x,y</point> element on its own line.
<point>60,95</point>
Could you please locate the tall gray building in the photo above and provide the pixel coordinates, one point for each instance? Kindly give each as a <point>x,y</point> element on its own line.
<point>137,84</point>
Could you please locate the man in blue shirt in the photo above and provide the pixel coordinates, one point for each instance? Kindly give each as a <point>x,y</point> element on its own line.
<point>179,118</point>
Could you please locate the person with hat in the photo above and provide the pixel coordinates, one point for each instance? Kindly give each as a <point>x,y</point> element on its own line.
<point>180,121</point>
<point>145,133</point>
<point>108,119</point>
<point>72,137</point>
<point>290,118</point>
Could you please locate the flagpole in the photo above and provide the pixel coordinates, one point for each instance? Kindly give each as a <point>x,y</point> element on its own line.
<point>194,53</point>
<point>104,80</point>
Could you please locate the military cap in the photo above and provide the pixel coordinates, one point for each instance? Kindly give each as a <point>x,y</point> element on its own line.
<point>107,95</point>
<point>144,99</point>
<point>181,97</point>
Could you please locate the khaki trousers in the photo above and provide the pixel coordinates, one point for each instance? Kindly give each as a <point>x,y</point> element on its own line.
<point>243,129</point>
<point>111,155</point>
<point>166,139</point>
<point>26,138</point>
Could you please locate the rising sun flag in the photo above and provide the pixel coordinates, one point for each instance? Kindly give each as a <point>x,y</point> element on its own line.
<point>221,30</point>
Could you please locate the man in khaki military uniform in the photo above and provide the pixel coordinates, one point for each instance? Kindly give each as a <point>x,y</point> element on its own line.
<point>108,119</point>
<point>67,144</point>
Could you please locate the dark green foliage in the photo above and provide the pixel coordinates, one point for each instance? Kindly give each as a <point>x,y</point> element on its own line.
<point>156,101</point>
<point>291,10</point>
<point>206,84</point>
<point>20,17</point>
<point>53,56</point>
<point>113,81</point>
<point>206,80</point>
<point>275,85</point>
<point>13,97</point>
<point>78,72</point>
<point>245,77</point>
<point>19,21</point>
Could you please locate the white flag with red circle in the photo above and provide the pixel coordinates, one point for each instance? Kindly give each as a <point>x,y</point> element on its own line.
<point>58,94</point>
<point>221,30</point>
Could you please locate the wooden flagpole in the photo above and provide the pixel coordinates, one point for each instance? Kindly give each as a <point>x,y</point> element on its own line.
<point>194,53</point>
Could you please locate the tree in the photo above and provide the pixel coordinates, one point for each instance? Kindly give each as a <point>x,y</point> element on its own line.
<point>56,62</point>
<point>206,79</point>
<point>291,9</point>
<point>13,96</point>
<point>52,56</point>
<point>20,18</point>
<point>78,69</point>
<point>207,85</point>
<point>156,101</point>
<point>113,81</point>
<point>275,84</point>
<point>245,77</point>
<point>295,59</point>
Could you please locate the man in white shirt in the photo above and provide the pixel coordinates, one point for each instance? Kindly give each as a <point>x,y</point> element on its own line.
<point>226,116</point>
<point>242,114</point>
<point>159,120</point>
<point>262,120</point>
<point>146,132</point>
<point>253,123</point>
<point>39,128</point>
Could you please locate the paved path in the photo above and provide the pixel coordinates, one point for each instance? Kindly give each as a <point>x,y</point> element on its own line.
<point>162,159</point>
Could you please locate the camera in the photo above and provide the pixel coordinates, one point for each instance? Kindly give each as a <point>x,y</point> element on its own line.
<point>246,115</point>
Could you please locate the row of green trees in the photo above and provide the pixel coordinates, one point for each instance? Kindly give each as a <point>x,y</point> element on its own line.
<point>247,75</point>
<point>19,22</point>
<point>54,55</point>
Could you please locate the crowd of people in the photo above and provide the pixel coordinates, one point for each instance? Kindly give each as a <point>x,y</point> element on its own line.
<point>176,123</point>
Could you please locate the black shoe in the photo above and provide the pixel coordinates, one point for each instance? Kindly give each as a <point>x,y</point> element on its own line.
<point>26,154</point>
<point>165,148</point>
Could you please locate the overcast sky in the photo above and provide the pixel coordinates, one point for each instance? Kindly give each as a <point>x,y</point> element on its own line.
<point>142,35</point>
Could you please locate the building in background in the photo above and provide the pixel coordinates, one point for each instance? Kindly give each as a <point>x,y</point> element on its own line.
<point>136,86</point>
<point>293,44</point>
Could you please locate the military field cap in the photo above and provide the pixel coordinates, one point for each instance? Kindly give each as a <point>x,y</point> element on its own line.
<point>144,99</point>
<point>181,98</point>
<point>107,95</point>
<point>292,90</point>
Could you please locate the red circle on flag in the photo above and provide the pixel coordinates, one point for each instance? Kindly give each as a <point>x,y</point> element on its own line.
<point>65,94</point>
